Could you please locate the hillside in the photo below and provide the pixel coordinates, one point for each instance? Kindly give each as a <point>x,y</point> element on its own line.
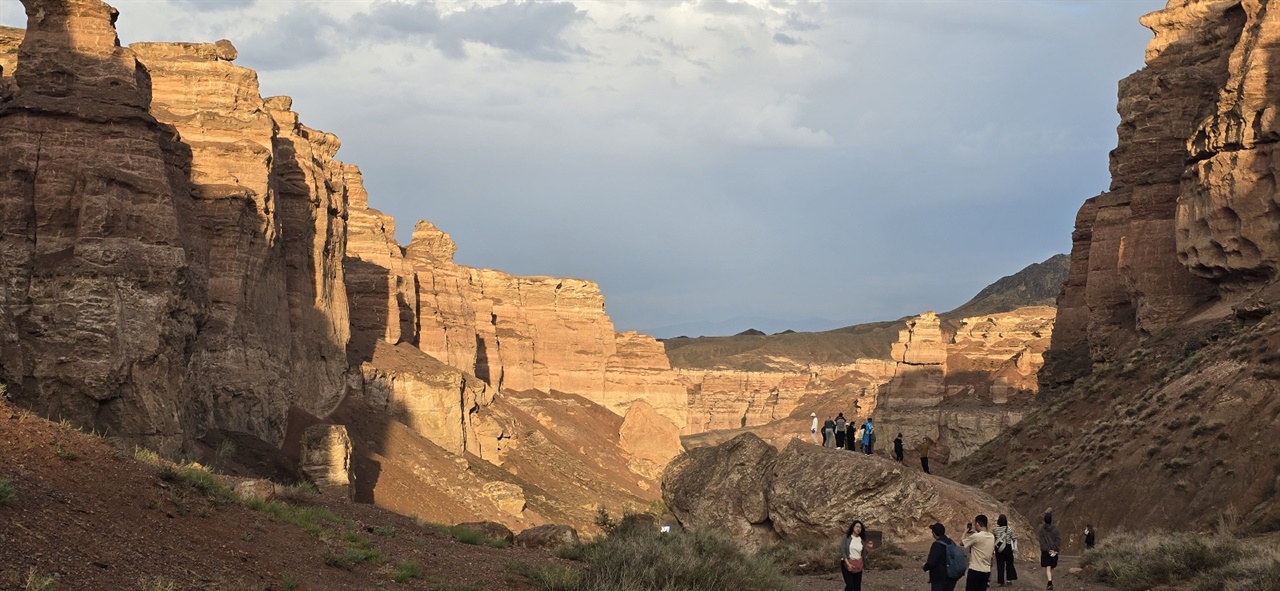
<point>1037,285</point>
<point>86,515</point>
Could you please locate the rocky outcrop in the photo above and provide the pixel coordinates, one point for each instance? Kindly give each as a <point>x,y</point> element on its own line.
<point>326,458</point>
<point>548,537</point>
<point>757,494</point>
<point>649,438</point>
<point>964,382</point>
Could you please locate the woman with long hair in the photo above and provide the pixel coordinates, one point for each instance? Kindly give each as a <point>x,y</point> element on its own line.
<point>1006,541</point>
<point>851,556</point>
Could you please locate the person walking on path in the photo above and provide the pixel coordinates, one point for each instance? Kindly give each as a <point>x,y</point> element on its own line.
<point>1090,537</point>
<point>980,545</point>
<point>813,428</point>
<point>897,448</point>
<point>924,455</point>
<point>936,563</point>
<point>829,433</point>
<point>841,423</point>
<point>1050,544</point>
<point>1006,546</point>
<point>868,437</point>
<point>851,557</point>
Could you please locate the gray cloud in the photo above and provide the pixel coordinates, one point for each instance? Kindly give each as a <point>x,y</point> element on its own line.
<point>214,5</point>
<point>300,36</point>
<point>786,39</point>
<point>527,29</point>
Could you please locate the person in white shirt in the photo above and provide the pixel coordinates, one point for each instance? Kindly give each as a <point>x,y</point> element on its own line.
<point>851,554</point>
<point>813,429</point>
<point>981,546</point>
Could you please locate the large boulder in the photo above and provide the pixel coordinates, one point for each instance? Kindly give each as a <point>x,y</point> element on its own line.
<point>724,487</point>
<point>748,489</point>
<point>547,536</point>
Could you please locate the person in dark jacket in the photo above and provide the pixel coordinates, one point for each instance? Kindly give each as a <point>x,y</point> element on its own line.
<point>936,564</point>
<point>1050,545</point>
<point>840,430</point>
<point>897,448</point>
<point>1090,537</point>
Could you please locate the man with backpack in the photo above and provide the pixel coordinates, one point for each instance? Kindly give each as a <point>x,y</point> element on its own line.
<point>947,561</point>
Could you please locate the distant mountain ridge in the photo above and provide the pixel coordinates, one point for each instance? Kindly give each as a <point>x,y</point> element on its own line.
<point>1037,284</point>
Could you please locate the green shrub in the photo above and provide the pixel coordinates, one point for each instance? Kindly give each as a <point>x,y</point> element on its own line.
<point>38,582</point>
<point>1132,562</point>
<point>469,536</point>
<point>553,577</point>
<point>203,480</point>
<point>155,584</point>
<point>7,491</point>
<point>385,531</point>
<point>804,557</point>
<point>405,570</point>
<point>643,560</point>
<point>307,518</point>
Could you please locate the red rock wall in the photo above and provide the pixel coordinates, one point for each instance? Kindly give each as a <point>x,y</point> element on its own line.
<point>1156,246</point>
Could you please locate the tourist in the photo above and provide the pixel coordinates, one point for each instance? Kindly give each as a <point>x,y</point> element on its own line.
<point>924,454</point>
<point>868,437</point>
<point>840,430</point>
<point>1006,547</point>
<point>980,545</point>
<point>1089,537</point>
<point>813,428</point>
<point>851,554</point>
<point>936,564</point>
<point>897,448</point>
<point>1050,545</point>
<point>829,433</point>
<point>851,439</point>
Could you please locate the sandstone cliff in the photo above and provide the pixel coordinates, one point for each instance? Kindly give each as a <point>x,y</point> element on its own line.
<point>1161,373</point>
<point>958,383</point>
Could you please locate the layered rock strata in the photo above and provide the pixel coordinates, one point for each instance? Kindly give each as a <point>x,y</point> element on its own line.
<point>759,494</point>
<point>1176,228</point>
<point>102,280</point>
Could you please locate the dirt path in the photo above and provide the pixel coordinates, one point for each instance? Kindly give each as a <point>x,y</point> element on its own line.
<point>912,578</point>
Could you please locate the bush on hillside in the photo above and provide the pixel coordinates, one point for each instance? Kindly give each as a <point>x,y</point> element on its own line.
<point>1134,562</point>
<point>643,559</point>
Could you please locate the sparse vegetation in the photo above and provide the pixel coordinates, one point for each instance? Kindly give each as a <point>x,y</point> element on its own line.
<point>7,491</point>
<point>636,559</point>
<point>405,570</point>
<point>309,519</point>
<point>64,453</point>
<point>1136,562</point>
<point>38,582</point>
<point>553,577</point>
<point>196,476</point>
<point>385,531</point>
<point>804,557</point>
<point>468,536</point>
<point>155,584</point>
<point>289,583</point>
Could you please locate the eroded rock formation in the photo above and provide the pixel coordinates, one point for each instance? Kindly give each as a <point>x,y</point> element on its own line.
<point>758,494</point>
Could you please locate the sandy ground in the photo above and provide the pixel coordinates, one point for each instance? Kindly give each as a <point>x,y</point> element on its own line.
<point>913,578</point>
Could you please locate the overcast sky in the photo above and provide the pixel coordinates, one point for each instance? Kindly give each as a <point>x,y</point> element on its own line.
<point>707,161</point>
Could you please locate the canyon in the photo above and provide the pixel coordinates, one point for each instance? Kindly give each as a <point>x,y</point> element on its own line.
<point>186,262</point>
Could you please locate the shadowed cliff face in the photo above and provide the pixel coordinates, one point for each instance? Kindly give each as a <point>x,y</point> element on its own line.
<point>100,254</point>
<point>171,253</point>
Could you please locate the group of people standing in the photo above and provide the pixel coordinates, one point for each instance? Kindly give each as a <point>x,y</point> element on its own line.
<point>840,433</point>
<point>981,547</point>
<point>979,551</point>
